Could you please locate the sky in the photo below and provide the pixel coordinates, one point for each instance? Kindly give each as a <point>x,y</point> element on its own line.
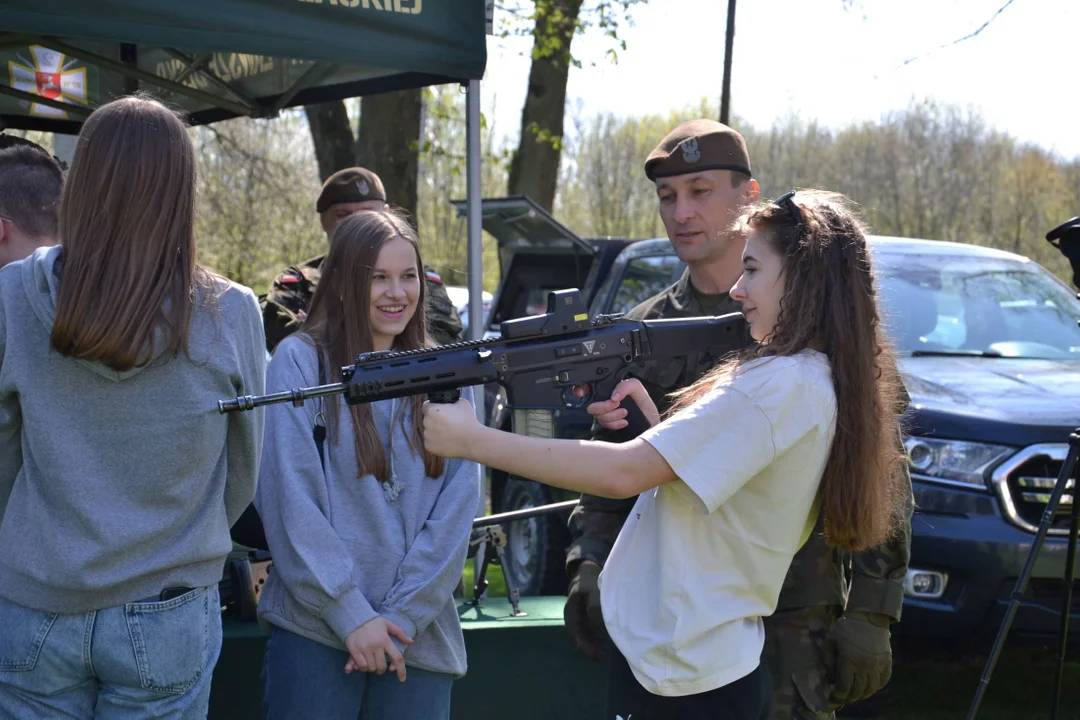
<point>818,59</point>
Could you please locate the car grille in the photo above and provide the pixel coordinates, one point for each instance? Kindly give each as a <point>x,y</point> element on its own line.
<point>1025,482</point>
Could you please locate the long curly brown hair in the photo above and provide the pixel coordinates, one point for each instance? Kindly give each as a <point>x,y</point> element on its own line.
<point>830,304</point>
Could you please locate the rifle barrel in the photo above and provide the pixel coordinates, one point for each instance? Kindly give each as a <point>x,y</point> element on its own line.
<point>297,396</point>
<point>524,514</point>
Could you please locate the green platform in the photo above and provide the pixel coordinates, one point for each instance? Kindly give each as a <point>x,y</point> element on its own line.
<point>519,667</point>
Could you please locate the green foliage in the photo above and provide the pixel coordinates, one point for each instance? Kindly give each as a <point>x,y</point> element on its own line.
<point>546,21</point>
<point>542,135</point>
<point>602,188</point>
<point>930,171</point>
<point>258,182</point>
<point>442,178</point>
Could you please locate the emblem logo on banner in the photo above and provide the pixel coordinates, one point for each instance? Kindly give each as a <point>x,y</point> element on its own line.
<point>48,76</point>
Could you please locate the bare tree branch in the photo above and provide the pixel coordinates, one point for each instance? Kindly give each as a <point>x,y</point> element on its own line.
<point>960,40</point>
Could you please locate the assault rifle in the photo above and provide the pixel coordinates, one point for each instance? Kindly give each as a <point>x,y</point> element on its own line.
<point>540,360</point>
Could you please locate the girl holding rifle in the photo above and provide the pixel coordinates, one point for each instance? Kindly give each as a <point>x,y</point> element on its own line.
<point>730,483</point>
<point>368,529</point>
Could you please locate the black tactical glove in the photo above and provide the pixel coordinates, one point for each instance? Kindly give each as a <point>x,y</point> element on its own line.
<point>863,656</point>
<point>582,615</point>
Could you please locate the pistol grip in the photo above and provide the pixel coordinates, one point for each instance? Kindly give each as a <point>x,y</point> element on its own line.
<point>445,396</point>
<point>636,421</point>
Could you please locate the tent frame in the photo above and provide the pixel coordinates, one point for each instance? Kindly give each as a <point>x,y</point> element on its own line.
<point>238,103</point>
<point>242,105</point>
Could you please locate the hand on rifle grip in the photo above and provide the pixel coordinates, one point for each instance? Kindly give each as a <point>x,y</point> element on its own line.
<point>445,397</point>
<point>630,410</point>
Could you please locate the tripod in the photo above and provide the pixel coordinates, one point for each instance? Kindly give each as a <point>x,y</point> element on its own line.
<point>1067,471</point>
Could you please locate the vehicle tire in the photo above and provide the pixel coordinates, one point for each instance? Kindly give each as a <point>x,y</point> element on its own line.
<point>535,547</point>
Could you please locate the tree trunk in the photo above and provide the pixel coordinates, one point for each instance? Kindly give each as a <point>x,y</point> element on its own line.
<point>534,168</point>
<point>389,143</point>
<point>335,147</point>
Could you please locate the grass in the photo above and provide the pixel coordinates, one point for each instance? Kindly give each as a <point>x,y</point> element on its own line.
<point>934,686</point>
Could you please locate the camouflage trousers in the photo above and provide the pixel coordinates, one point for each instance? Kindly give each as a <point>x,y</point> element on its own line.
<point>800,663</point>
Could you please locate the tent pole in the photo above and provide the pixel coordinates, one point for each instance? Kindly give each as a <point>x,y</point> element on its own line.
<point>475,269</point>
<point>72,108</point>
<point>472,213</point>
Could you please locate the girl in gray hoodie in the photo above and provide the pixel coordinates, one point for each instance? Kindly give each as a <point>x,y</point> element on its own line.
<point>368,531</point>
<point>119,478</point>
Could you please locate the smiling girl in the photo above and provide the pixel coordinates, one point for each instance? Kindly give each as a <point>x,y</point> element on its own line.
<point>729,485</point>
<point>368,532</point>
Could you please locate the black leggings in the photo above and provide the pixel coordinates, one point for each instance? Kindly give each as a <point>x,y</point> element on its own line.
<point>745,699</point>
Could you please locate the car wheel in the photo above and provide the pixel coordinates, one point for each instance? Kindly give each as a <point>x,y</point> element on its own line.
<point>535,547</point>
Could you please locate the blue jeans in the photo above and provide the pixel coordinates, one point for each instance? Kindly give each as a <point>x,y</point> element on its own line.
<point>305,679</point>
<point>147,659</point>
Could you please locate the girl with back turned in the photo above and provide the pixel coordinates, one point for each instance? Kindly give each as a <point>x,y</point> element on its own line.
<point>119,478</point>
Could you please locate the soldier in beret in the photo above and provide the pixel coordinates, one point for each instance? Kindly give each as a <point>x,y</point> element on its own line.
<point>344,193</point>
<point>828,642</point>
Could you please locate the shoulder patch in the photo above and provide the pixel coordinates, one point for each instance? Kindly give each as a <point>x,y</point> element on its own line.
<point>433,276</point>
<point>292,275</point>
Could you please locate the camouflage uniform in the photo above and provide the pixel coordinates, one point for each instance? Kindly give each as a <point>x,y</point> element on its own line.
<point>822,581</point>
<point>284,306</point>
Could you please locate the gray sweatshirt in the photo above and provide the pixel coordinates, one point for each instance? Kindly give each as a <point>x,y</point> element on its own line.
<point>345,551</point>
<point>116,485</point>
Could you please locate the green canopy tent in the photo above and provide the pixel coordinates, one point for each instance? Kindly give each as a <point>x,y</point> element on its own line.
<point>220,59</point>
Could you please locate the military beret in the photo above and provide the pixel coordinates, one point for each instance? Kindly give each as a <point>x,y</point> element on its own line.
<point>698,145</point>
<point>350,185</point>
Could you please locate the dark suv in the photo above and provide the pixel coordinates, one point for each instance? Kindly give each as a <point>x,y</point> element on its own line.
<point>990,352</point>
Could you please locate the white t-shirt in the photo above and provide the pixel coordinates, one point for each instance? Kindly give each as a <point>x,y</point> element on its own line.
<point>700,560</point>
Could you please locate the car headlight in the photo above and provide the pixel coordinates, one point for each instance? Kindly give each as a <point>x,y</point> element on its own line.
<point>954,461</point>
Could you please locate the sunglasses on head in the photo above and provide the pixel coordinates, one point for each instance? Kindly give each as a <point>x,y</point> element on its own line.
<point>786,201</point>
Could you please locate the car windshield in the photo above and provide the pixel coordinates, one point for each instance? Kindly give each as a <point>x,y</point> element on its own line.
<point>938,304</point>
